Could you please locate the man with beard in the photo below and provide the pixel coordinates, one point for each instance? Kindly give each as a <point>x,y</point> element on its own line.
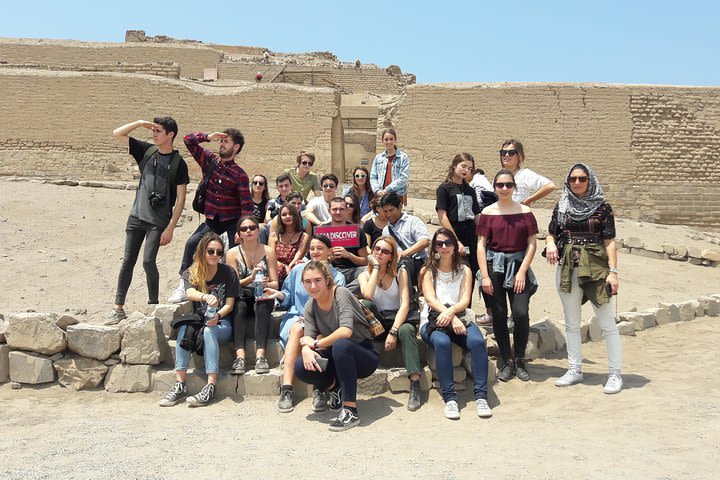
<point>227,197</point>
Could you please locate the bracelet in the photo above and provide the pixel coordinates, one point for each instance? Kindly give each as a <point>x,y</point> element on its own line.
<point>202,297</point>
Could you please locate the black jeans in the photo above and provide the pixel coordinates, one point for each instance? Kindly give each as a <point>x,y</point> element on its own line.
<point>209,225</point>
<point>348,362</point>
<point>243,315</point>
<point>136,231</point>
<point>520,304</point>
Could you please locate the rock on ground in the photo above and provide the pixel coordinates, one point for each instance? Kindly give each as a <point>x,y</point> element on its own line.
<point>80,373</point>
<point>35,332</point>
<point>94,341</point>
<point>32,368</point>
<point>128,378</point>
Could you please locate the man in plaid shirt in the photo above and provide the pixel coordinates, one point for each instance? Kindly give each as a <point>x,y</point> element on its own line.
<point>227,197</point>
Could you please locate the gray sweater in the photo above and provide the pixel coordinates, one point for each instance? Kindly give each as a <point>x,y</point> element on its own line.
<point>345,312</point>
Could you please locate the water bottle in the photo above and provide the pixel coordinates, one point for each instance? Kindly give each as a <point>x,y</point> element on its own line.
<point>210,312</point>
<point>259,289</point>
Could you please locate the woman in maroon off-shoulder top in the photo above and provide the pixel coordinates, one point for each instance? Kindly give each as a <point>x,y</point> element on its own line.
<point>507,241</point>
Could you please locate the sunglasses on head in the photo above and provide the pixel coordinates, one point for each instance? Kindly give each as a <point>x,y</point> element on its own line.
<point>581,179</point>
<point>215,251</point>
<point>350,204</point>
<point>444,243</point>
<point>384,251</point>
<point>501,185</point>
<point>306,163</point>
<point>360,175</point>
<point>328,185</point>
<point>259,184</point>
<point>244,229</point>
<point>510,153</point>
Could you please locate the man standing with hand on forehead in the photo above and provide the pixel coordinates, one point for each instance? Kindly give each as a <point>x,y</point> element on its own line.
<point>158,204</point>
<point>227,197</point>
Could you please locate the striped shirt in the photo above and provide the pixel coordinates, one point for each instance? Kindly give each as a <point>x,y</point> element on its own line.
<point>228,191</point>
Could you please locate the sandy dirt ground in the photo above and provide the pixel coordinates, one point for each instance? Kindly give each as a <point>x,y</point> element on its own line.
<point>62,248</point>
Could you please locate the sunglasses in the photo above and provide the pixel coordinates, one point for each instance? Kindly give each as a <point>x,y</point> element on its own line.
<point>581,179</point>
<point>360,175</point>
<point>510,153</point>
<point>259,184</point>
<point>328,185</point>
<point>444,243</point>
<point>215,251</point>
<point>501,185</point>
<point>252,228</point>
<point>384,251</point>
<point>306,163</point>
<point>350,205</point>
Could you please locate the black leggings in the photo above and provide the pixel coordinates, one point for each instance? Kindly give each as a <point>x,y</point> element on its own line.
<point>136,231</point>
<point>520,303</point>
<point>243,315</point>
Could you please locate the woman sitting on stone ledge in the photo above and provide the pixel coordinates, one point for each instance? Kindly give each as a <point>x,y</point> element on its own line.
<point>387,294</point>
<point>581,241</point>
<point>212,287</point>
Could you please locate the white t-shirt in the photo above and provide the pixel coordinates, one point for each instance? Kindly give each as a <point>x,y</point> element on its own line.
<point>319,207</point>
<point>527,182</point>
<point>479,183</point>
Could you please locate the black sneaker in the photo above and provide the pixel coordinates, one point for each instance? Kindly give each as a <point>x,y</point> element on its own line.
<point>319,401</point>
<point>176,395</point>
<point>506,371</point>
<point>285,403</point>
<point>238,366</point>
<point>203,398</point>
<point>521,370</point>
<point>335,401</point>
<point>346,419</point>
<point>414,399</point>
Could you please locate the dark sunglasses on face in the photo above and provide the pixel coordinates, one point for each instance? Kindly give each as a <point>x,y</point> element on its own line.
<point>360,175</point>
<point>581,179</point>
<point>215,251</point>
<point>328,185</point>
<point>510,153</point>
<point>384,251</point>
<point>444,243</point>
<point>252,228</point>
<point>306,163</point>
<point>350,205</point>
<point>259,184</point>
<point>501,185</point>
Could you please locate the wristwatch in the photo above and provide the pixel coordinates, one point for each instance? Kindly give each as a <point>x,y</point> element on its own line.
<point>393,332</point>
<point>315,344</point>
<point>613,270</point>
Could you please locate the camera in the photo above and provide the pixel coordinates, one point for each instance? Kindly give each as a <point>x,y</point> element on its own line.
<point>156,199</point>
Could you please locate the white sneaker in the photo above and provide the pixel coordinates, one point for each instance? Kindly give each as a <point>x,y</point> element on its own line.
<point>178,295</point>
<point>483,409</point>
<point>571,377</point>
<point>614,384</point>
<point>451,410</point>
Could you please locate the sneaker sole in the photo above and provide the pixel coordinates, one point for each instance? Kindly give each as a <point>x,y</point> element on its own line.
<point>171,404</point>
<point>237,372</point>
<point>284,410</point>
<point>611,392</point>
<point>319,409</point>
<point>452,417</point>
<point>261,371</point>
<point>194,403</point>
<point>485,414</point>
<point>342,428</point>
<point>413,408</point>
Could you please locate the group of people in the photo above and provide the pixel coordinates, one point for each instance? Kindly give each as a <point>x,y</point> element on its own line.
<point>350,268</point>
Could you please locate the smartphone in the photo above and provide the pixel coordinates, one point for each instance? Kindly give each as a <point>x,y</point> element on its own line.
<point>608,289</point>
<point>322,363</point>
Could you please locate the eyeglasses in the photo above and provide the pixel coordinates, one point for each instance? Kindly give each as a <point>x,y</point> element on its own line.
<point>581,179</point>
<point>215,251</point>
<point>328,185</point>
<point>510,153</point>
<point>252,228</point>
<point>306,163</point>
<point>384,251</point>
<point>259,184</point>
<point>502,185</point>
<point>444,243</point>
<point>360,175</point>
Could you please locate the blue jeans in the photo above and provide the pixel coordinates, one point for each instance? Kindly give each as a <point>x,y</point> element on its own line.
<point>474,342</point>
<point>213,338</point>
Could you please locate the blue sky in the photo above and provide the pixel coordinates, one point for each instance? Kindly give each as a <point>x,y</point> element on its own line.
<point>628,41</point>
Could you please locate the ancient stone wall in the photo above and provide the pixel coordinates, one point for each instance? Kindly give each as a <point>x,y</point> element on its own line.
<point>57,53</point>
<point>346,79</point>
<point>655,149</point>
<point>60,123</point>
<point>163,69</point>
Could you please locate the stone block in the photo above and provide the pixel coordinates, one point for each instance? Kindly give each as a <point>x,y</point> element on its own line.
<point>397,379</point>
<point>694,251</point>
<point>168,313</point>
<point>35,332</point>
<point>94,341</point>
<point>662,314</point>
<point>548,336</point>
<point>699,308</point>
<point>162,380</point>
<point>641,252</point>
<point>128,378</point>
<point>457,354</point>
<point>375,384</point>
<point>80,373</point>
<point>633,243</point>
<point>655,247</point>
<point>668,248</point>
<point>531,351</point>
<point>267,384</point>
<point>626,328</point>
<point>687,309</point>
<point>695,261</point>
<point>143,341</point>
<point>711,255</point>
<point>31,368</point>
<point>65,320</point>
<point>648,318</point>
<point>273,352</point>
<point>594,330</point>
<point>585,332</point>
<point>681,250</point>
<point>637,318</point>
<point>678,258</point>
<point>459,374</point>
<point>710,305</point>
<point>673,312</point>
<point>4,363</point>
<point>3,328</point>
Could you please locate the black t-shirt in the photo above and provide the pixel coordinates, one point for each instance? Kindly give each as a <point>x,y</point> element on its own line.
<point>154,178</point>
<point>259,210</point>
<point>458,200</point>
<point>223,285</point>
<point>371,229</point>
